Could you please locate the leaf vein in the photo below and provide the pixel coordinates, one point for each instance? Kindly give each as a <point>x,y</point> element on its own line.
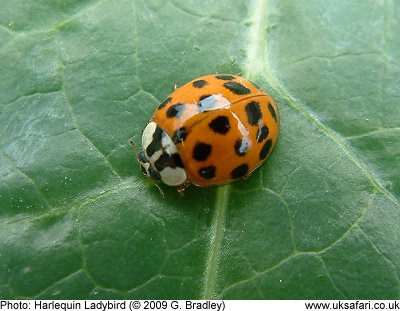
<point>74,121</point>
<point>31,180</point>
<point>57,282</point>
<point>385,257</point>
<point>352,226</point>
<point>260,273</point>
<point>330,277</point>
<point>329,133</point>
<point>374,132</point>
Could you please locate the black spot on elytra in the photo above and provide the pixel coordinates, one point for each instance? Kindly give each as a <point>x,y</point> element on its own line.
<point>207,172</point>
<point>225,77</point>
<point>220,125</point>
<point>240,171</point>
<point>199,83</point>
<point>253,112</point>
<point>236,88</point>
<point>273,112</point>
<point>241,147</point>
<point>201,151</point>
<point>164,103</point>
<point>175,111</point>
<point>179,135</point>
<point>262,133</point>
<point>265,149</point>
<point>155,142</point>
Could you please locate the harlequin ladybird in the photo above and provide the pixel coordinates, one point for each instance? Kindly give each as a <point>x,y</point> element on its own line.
<point>211,131</point>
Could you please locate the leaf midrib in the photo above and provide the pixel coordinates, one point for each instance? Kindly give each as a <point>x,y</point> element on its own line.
<point>216,237</point>
<point>255,54</point>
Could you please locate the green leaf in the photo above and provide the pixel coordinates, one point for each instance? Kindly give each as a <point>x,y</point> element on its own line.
<point>320,219</point>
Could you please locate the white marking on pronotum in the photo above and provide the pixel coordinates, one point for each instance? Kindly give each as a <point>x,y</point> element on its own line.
<point>147,135</point>
<point>169,176</point>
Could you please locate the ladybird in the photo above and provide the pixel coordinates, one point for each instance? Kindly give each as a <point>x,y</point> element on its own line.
<point>211,131</point>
